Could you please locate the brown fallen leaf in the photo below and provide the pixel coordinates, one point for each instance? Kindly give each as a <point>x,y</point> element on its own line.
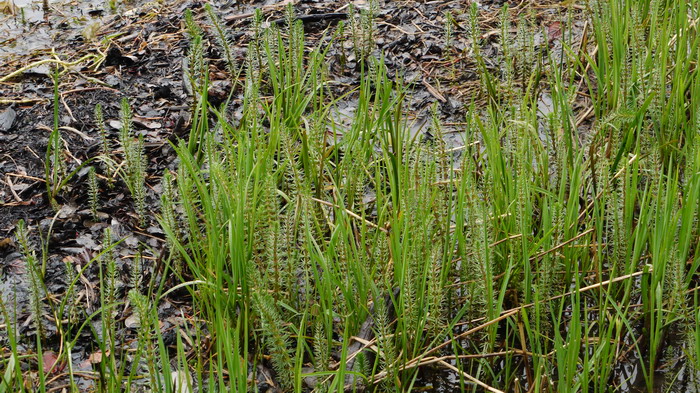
<point>50,360</point>
<point>554,31</point>
<point>434,92</point>
<point>96,357</point>
<point>6,243</point>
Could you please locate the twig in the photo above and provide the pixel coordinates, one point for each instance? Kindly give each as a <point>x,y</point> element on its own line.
<point>45,61</point>
<point>351,214</point>
<point>65,105</point>
<point>66,128</point>
<point>24,176</point>
<point>85,89</point>
<point>312,18</point>
<point>6,101</point>
<point>469,377</point>
<point>435,359</point>
<point>580,235</point>
<point>580,290</point>
<point>433,91</point>
<point>12,190</point>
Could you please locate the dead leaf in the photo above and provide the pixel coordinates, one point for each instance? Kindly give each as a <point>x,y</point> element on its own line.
<point>96,357</point>
<point>554,31</point>
<point>6,243</point>
<point>433,91</point>
<point>49,363</point>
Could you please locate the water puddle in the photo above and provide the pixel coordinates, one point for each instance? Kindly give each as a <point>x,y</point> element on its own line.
<point>29,26</point>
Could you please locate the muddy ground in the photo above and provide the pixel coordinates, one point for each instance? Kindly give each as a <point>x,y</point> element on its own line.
<point>142,46</point>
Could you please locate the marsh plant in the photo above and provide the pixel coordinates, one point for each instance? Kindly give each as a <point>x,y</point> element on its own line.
<point>543,253</point>
<point>56,172</point>
<point>134,156</point>
<point>93,193</point>
<point>362,29</point>
<point>55,168</point>
<point>502,224</point>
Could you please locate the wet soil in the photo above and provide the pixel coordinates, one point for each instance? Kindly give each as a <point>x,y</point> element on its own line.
<point>143,45</point>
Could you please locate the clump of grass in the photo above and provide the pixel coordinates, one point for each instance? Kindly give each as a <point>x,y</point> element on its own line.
<point>105,149</point>
<point>56,174</point>
<point>55,167</point>
<point>276,338</point>
<point>225,44</point>
<point>145,330</point>
<point>108,289</point>
<point>36,291</point>
<point>170,221</point>
<point>93,193</point>
<point>449,29</point>
<point>70,294</point>
<point>362,30</point>
<point>54,164</point>
<point>135,161</point>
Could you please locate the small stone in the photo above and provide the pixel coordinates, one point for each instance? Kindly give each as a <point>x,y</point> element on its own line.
<point>7,119</point>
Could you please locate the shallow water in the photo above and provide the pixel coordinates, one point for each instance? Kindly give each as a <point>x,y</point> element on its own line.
<point>26,26</point>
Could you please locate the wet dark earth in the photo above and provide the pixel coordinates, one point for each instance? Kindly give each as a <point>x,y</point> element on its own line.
<point>139,47</point>
<point>137,53</point>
